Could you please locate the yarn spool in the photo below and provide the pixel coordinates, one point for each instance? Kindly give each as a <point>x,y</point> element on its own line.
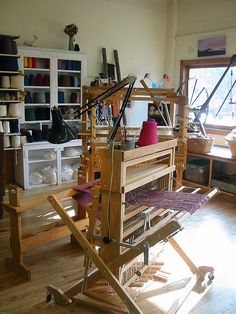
<point>16,81</point>
<point>148,134</point>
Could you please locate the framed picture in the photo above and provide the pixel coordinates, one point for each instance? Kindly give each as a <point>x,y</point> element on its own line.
<point>214,46</point>
<point>154,113</point>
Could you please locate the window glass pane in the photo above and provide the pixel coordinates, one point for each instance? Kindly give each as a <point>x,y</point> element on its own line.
<point>204,80</point>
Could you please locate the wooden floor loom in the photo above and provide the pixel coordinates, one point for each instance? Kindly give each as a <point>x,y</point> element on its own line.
<point>94,137</point>
<point>131,230</point>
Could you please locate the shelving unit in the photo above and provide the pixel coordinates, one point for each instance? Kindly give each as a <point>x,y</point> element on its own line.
<point>5,94</point>
<point>218,169</point>
<point>58,65</point>
<point>48,64</point>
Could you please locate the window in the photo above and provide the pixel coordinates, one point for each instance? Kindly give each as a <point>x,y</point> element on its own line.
<point>202,76</point>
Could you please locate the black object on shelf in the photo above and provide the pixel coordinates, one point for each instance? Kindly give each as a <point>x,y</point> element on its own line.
<point>60,132</point>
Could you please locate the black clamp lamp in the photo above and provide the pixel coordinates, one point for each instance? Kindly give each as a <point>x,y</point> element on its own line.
<point>61,133</point>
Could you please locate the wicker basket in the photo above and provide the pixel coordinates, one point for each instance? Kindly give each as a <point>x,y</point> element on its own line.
<point>200,145</point>
<point>232,147</point>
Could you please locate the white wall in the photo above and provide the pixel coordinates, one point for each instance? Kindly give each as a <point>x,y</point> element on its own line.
<point>203,19</point>
<point>135,27</point>
<point>198,20</point>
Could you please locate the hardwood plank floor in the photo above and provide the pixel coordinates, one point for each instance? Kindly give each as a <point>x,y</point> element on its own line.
<point>209,238</point>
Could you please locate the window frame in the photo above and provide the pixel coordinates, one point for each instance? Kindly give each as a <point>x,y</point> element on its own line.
<point>186,65</point>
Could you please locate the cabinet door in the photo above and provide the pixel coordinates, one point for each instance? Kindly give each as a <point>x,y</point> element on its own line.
<point>70,161</point>
<point>42,166</point>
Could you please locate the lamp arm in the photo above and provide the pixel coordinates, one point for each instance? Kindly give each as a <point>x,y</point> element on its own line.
<point>109,92</point>
<point>121,113</point>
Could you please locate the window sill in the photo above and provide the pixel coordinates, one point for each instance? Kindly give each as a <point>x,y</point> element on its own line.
<point>219,130</point>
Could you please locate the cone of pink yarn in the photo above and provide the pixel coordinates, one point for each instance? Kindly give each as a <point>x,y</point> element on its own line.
<point>148,134</point>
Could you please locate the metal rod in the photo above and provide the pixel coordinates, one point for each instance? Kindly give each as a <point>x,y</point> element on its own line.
<point>122,110</point>
<point>225,100</point>
<point>194,87</point>
<point>198,96</point>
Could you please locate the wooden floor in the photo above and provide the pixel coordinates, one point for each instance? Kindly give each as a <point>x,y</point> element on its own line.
<point>209,237</point>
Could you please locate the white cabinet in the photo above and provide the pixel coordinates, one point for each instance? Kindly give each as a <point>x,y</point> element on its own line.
<point>51,77</point>
<point>45,164</point>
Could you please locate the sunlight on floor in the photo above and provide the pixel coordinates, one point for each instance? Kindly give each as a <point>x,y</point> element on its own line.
<point>71,213</point>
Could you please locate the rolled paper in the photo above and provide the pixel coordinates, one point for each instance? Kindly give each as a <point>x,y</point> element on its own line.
<point>59,65</point>
<point>73,65</point>
<point>39,80</point>
<point>6,45</point>
<point>25,62</point>
<point>30,64</point>
<point>26,80</point>
<point>23,140</point>
<point>6,126</point>
<point>16,81</point>
<point>46,80</point>
<point>61,97</point>
<point>7,141</point>
<point>14,126</point>
<point>14,50</point>
<point>69,65</point>
<point>28,98</point>
<point>14,110</point>
<point>47,63</point>
<point>15,141</point>
<point>74,98</point>
<point>47,95</point>
<point>39,98</point>
<point>42,114</point>
<point>34,63</point>
<point>10,64</point>
<point>30,114</point>
<point>1,127</point>
<point>3,110</point>
<point>31,80</point>
<point>5,82</point>
<point>65,80</point>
